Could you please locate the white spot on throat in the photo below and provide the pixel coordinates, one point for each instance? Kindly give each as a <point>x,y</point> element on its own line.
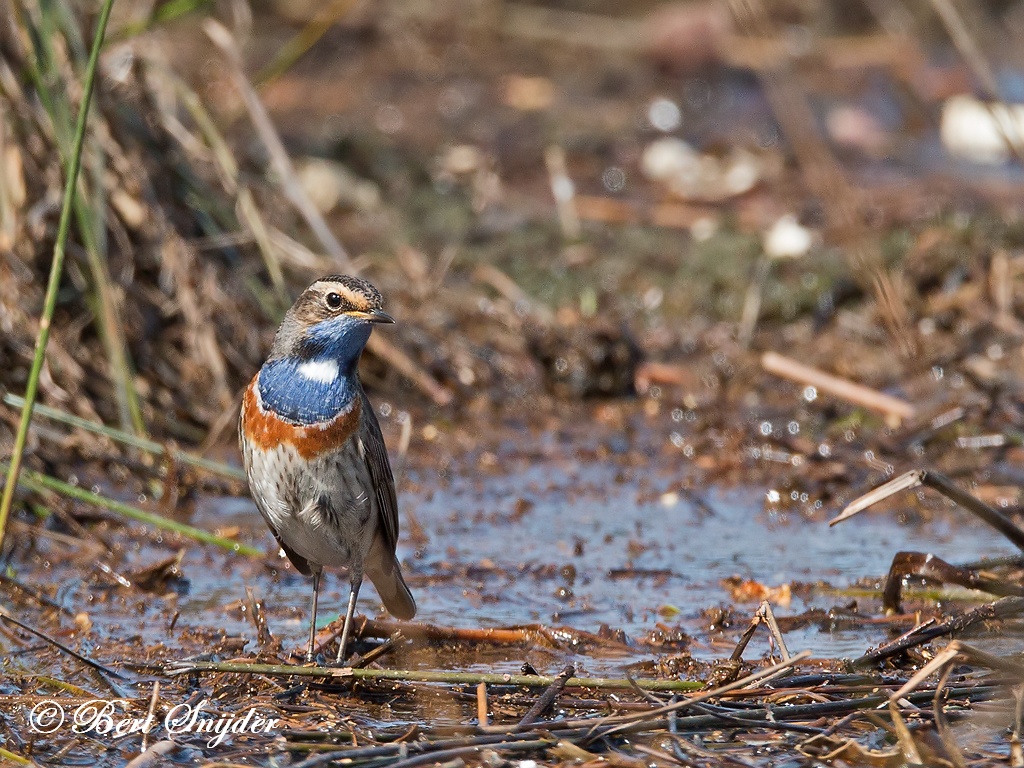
<point>323,371</point>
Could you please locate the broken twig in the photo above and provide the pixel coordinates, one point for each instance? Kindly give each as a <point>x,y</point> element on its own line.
<point>857,394</point>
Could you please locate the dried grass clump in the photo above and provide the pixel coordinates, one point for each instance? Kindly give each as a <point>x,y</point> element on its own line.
<point>164,310</point>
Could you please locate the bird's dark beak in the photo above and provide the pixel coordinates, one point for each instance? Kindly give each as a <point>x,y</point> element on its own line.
<point>375,316</point>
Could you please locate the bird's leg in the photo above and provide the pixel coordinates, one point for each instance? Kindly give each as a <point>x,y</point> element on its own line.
<point>357,581</point>
<point>312,617</point>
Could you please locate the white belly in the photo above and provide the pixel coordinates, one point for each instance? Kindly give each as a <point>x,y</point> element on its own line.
<point>324,510</point>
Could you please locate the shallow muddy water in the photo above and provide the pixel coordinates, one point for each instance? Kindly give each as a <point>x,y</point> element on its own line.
<point>543,530</point>
<point>586,544</point>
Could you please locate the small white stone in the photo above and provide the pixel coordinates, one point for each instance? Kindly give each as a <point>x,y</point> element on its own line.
<point>787,239</point>
<point>704,228</point>
<point>666,158</point>
<point>664,115</point>
<point>462,159</point>
<point>742,172</point>
<point>978,131</point>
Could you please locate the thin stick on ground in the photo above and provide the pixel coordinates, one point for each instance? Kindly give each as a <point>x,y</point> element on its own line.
<point>911,754</point>
<point>1005,608</point>
<point>564,192</point>
<point>858,394</point>
<point>763,615</point>
<point>531,634</point>
<point>1016,750</point>
<point>61,647</point>
<point>547,699</point>
<point>752,302</point>
<point>507,287</point>
<point>481,705</point>
<point>35,594</point>
<point>713,693</point>
<point>17,759</point>
<point>942,721</point>
<point>56,269</point>
<point>424,676</point>
<point>381,650</point>
<point>947,488</point>
<point>258,618</point>
<point>155,754</point>
<point>938,662</point>
<point>152,708</point>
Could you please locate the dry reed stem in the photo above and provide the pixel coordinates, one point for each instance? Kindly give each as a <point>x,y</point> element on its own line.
<point>844,389</point>
<point>564,192</point>
<point>154,754</point>
<point>827,180</point>
<point>481,704</point>
<point>280,161</point>
<point>1006,607</point>
<point>405,365</point>
<point>38,482</point>
<point>6,616</point>
<point>433,676</point>
<point>947,488</point>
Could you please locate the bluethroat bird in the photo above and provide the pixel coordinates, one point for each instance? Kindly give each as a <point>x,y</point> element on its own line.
<point>313,451</point>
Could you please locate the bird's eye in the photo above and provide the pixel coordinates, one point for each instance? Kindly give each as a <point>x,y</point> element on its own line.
<point>333,300</point>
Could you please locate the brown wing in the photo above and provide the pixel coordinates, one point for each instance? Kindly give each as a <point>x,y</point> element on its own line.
<point>375,453</point>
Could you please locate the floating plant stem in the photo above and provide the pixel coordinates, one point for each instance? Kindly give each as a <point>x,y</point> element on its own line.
<point>127,438</point>
<point>431,676</point>
<point>35,481</point>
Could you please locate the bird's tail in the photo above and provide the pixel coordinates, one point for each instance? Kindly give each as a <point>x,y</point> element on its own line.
<point>386,574</point>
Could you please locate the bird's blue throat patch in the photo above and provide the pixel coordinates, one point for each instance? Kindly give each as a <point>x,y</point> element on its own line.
<point>301,399</point>
<point>319,381</point>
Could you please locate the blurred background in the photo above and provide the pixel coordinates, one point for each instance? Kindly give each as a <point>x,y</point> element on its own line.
<point>615,236</point>
<point>549,194</point>
<point>607,230</point>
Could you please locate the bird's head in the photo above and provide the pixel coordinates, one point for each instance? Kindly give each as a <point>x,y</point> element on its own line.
<point>331,320</point>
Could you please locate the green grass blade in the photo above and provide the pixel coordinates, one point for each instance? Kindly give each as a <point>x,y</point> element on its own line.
<point>35,481</point>
<point>127,438</point>
<point>164,13</point>
<point>46,77</point>
<point>56,269</point>
<point>307,37</point>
